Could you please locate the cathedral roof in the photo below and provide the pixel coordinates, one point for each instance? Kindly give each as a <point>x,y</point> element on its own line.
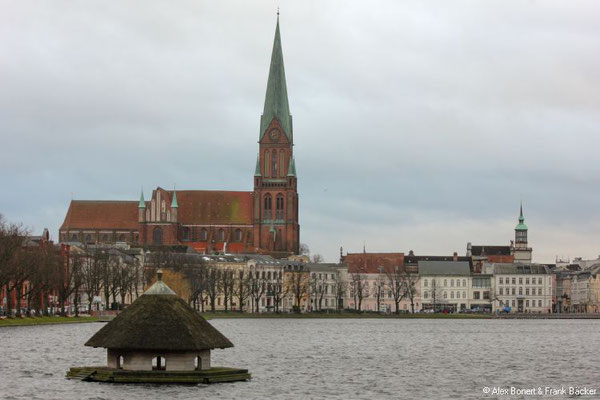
<point>276,99</point>
<point>210,207</point>
<point>96,214</point>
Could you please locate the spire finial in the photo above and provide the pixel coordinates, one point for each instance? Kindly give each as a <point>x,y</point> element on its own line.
<point>277,12</point>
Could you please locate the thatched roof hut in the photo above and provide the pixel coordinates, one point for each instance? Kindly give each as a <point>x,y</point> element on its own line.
<point>159,331</point>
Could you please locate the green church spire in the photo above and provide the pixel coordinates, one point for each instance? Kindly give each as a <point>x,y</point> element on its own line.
<point>257,170</point>
<point>174,200</point>
<point>521,226</point>
<point>292,167</point>
<point>142,203</point>
<point>276,99</point>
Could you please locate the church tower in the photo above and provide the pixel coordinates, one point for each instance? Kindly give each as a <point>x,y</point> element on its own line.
<point>276,226</point>
<point>520,251</point>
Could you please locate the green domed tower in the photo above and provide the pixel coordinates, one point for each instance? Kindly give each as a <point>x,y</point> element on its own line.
<point>520,249</point>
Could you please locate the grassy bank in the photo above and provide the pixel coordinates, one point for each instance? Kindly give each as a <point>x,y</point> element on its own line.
<point>217,315</point>
<point>44,320</point>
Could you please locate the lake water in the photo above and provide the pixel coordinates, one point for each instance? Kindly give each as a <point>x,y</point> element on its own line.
<point>330,359</point>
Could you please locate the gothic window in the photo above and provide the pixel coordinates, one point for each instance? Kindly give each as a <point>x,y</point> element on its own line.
<point>281,164</point>
<point>105,238</point>
<point>157,236</point>
<point>268,206</point>
<point>74,237</point>
<point>238,235</point>
<point>88,238</point>
<point>274,164</point>
<point>121,237</point>
<point>221,235</point>
<point>267,163</point>
<point>204,235</point>
<point>279,204</point>
<point>186,233</point>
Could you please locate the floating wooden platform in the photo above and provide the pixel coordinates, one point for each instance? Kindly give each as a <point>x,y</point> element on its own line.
<point>212,375</point>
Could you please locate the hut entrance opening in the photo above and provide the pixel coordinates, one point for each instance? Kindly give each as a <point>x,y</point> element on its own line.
<point>120,361</point>
<point>198,363</point>
<point>159,363</point>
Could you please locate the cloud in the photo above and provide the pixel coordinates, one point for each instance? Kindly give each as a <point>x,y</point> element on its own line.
<point>417,125</point>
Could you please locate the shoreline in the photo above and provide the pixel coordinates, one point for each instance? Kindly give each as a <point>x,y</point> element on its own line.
<point>31,321</point>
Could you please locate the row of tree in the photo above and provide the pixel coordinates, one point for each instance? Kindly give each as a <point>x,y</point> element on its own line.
<point>397,281</point>
<point>45,276</point>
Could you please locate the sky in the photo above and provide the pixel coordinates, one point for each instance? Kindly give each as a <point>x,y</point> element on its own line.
<point>418,125</point>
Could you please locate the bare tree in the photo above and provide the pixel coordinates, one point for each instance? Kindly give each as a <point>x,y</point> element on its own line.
<point>242,288</point>
<point>358,289</point>
<point>196,274</point>
<point>11,240</point>
<point>278,290</point>
<point>317,289</point>
<point>213,286</point>
<point>379,290</point>
<point>298,286</point>
<point>317,258</point>
<point>227,286</point>
<point>258,287</point>
<point>340,288</point>
<point>410,288</point>
<point>395,282</point>
<point>96,260</point>
<point>304,250</point>
<point>68,277</point>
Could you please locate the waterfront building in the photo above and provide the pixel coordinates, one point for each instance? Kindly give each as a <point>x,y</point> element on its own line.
<point>522,287</point>
<point>578,289</point>
<point>328,286</point>
<point>448,285</point>
<point>262,220</point>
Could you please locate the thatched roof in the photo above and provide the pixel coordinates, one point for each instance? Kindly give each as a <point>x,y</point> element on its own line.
<point>158,320</point>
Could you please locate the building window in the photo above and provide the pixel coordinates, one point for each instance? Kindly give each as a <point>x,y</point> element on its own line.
<point>476,295</point>
<point>186,233</point>
<point>238,235</point>
<point>157,236</point>
<point>274,164</point>
<point>486,295</point>
<point>445,282</point>
<point>105,238</point>
<point>204,235</point>
<point>198,363</point>
<point>514,281</point>
<point>527,281</point>
<point>513,303</point>
<point>520,281</point>
<point>464,295</point>
<point>539,303</point>
<point>267,158</point>
<point>279,205</point>
<point>159,363</point>
<point>445,295</point>
<point>221,236</point>
<point>513,291</point>
<point>520,291</point>
<point>452,293</point>
<point>120,361</point>
<point>425,284</point>
<point>88,238</point>
<point>268,206</point>
<point>501,281</point>
<point>464,283</point>
<point>526,303</point>
<point>452,283</point>
<point>526,291</point>
<point>539,291</point>
<point>539,281</point>
<point>501,291</point>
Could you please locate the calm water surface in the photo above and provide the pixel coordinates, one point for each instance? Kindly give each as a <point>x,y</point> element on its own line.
<point>329,359</point>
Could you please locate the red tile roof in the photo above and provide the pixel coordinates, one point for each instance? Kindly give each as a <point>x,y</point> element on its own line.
<point>369,263</point>
<point>94,214</point>
<point>208,207</point>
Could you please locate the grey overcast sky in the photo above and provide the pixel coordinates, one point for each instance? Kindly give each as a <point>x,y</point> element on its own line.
<point>417,124</point>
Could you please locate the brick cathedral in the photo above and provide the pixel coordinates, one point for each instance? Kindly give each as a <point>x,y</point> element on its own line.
<point>264,220</point>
